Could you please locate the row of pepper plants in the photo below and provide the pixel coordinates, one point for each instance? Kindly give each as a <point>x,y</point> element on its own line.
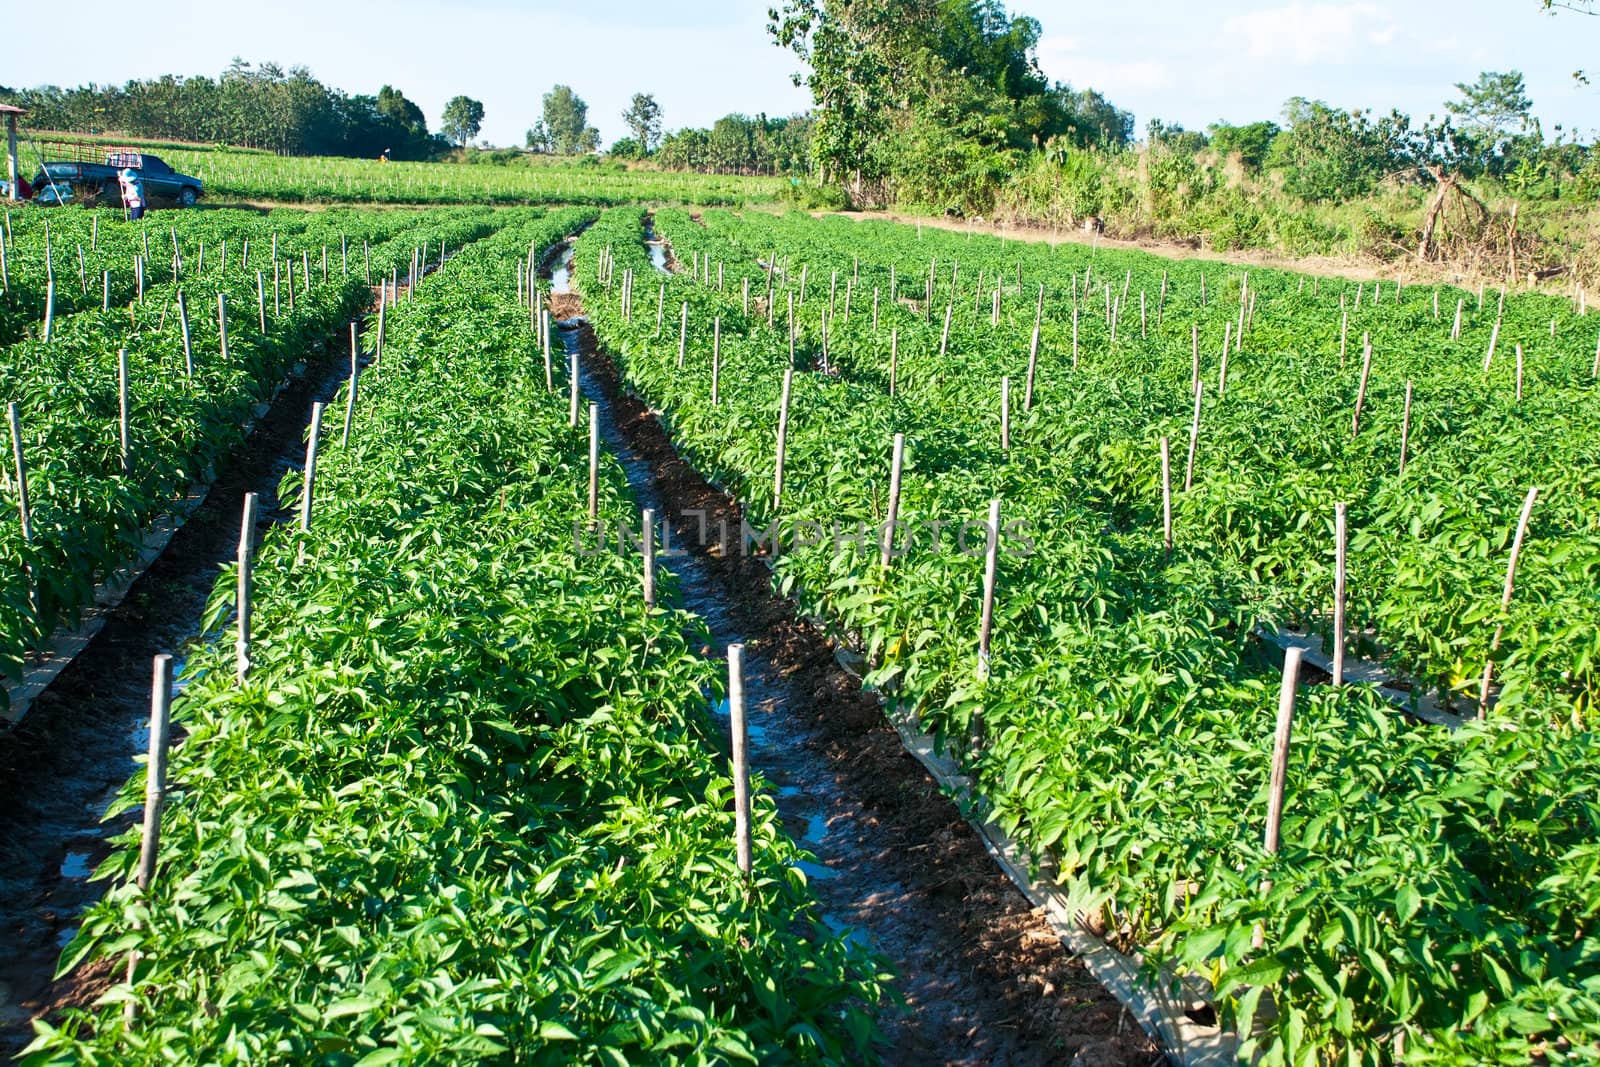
<point>1431,896</point>
<point>88,514</point>
<point>471,804</point>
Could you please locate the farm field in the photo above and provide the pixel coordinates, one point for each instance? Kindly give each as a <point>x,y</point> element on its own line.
<point>1431,887</point>
<point>473,801</point>
<point>232,175</point>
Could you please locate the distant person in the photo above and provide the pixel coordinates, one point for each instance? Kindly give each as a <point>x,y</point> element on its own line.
<point>385,157</point>
<point>24,190</point>
<point>132,193</point>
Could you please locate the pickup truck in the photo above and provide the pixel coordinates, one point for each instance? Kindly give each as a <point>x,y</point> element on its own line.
<point>93,182</point>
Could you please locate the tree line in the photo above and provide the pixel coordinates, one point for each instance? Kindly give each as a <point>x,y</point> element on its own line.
<point>264,106</point>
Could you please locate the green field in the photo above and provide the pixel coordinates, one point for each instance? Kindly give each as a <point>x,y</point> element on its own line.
<point>471,804</point>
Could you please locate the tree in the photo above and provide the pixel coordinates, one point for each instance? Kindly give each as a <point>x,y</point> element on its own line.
<point>565,129</point>
<point>897,83</point>
<point>462,119</point>
<point>1251,143</point>
<point>643,119</point>
<point>393,105</point>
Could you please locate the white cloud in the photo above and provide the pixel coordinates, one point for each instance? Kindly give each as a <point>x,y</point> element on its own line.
<point>1063,59</point>
<point>1310,33</point>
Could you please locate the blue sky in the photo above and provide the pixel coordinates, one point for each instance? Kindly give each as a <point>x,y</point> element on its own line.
<point>1179,60</point>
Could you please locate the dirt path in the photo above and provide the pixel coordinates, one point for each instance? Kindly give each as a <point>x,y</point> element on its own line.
<point>983,978</point>
<point>69,756</point>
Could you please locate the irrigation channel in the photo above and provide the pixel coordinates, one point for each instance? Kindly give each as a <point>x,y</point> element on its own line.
<point>983,977</point>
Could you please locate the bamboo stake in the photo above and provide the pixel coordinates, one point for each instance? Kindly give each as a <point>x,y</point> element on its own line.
<point>1166,494</point>
<point>894,358</point>
<point>1280,748</point>
<point>1505,599</point>
<point>247,532</point>
<point>648,546</point>
<point>1222,369</point>
<point>1033,366</point>
<point>895,467</point>
<point>1194,353</point>
<point>594,462</point>
<point>1519,374</point>
<point>991,562</point>
<point>716,357</point>
<point>783,437</point>
<point>1455,331</point>
<point>222,324</point>
<point>1405,429</point>
<point>350,398</point>
<point>741,760</point>
<point>49,309</point>
<point>572,390</point>
<point>1340,556</point>
<point>261,304</point>
<point>123,426</point>
<point>155,787</point>
<point>1005,414</point>
<point>1361,390</point>
<point>309,487</point>
<point>183,327</point>
<point>1494,337</point>
<point>1194,438</point>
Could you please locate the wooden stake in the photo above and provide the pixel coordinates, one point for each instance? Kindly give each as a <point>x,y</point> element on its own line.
<point>1455,331</point>
<point>1033,366</point>
<point>350,398</point>
<point>247,534</point>
<point>1361,390</point>
<point>647,538</point>
<point>716,357</point>
<point>1505,598</point>
<point>1194,439</point>
<point>123,427</point>
<point>991,562</point>
<point>1340,556</point>
<point>895,467</point>
<point>155,784</point>
<point>1280,747</point>
<point>309,486</point>
<point>783,437</point>
<point>894,358</point>
<point>49,309</point>
<point>944,337</point>
<point>1194,353</point>
<point>741,759</point>
<point>1405,429</point>
<point>1166,494</point>
<point>222,324</point>
<point>1005,414</point>
<point>1494,337</point>
<point>1344,334</point>
<point>1519,374</point>
<point>261,304</point>
<point>572,390</point>
<point>594,462</point>
<point>183,327</point>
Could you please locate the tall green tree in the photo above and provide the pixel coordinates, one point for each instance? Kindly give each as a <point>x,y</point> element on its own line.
<point>1494,127</point>
<point>901,84</point>
<point>643,119</point>
<point>564,127</point>
<point>462,119</point>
